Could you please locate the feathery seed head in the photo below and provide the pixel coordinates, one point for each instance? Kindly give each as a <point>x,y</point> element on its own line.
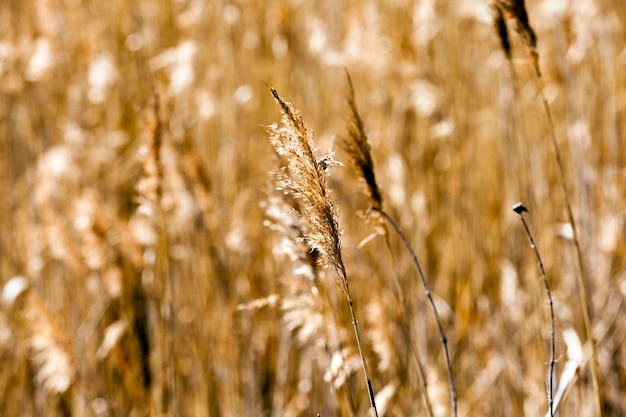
<point>358,150</point>
<point>500,26</point>
<point>516,10</point>
<point>304,177</point>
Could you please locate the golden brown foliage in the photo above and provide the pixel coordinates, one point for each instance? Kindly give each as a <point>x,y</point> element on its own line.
<point>201,309</point>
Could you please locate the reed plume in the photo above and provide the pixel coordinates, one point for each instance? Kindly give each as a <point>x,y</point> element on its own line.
<point>358,150</point>
<point>501,29</point>
<point>306,309</point>
<point>516,10</point>
<point>304,177</point>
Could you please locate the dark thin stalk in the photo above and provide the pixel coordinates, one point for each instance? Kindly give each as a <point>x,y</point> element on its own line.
<point>358,150</point>
<point>520,209</point>
<point>370,389</point>
<point>581,281</point>
<point>442,336</point>
<point>406,330</point>
<point>583,294</point>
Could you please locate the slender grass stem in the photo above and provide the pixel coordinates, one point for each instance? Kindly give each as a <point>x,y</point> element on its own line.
<point>520,209</point>
<point>358,150</point>
<point>406,331</point>
<point>517,10</point>
<point>370,389</point>
<point>583,294</point>
<point>444,340</point>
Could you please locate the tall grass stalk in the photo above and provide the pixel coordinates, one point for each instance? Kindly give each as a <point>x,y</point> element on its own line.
<point>516,9</point>
<point>304,177</point>
<point>442,336</point>
<point>358,150</point>
<point>520,209</point>
<point>582,282</point>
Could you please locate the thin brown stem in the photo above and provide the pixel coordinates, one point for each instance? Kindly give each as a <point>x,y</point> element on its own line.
<point>370,389</point>
<point>358,150</point>
<point>583,294</point>
<point>442,336</point>
<point>517,11</point>
<point>520,209</point>
<point>406,330</point>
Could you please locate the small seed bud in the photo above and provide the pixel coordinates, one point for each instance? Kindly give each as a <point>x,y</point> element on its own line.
<point>519,208</point>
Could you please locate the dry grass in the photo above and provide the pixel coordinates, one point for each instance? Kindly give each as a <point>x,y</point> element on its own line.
<point>148,265</point>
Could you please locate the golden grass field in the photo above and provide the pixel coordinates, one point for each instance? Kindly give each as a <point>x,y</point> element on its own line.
<point>149,266</point>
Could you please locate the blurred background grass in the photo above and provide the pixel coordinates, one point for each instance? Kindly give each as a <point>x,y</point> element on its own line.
<point>454,146</point>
